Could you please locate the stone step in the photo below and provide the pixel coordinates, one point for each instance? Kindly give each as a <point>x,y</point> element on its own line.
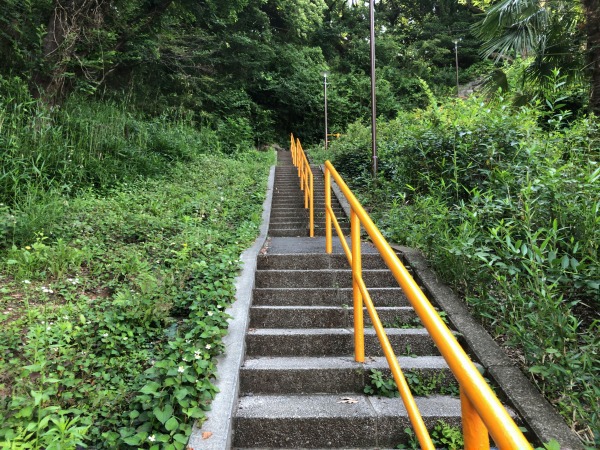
<point>289,224</point>
<point>312,375</point>
<point>334,342</point>
<point>333,421</point>
<point>289,218</point>
<point>289,232</point>
<point>338,211</point>
<point>299,261</point>
<point>321,278</point>
<point>304,225</point>
<point>300,204</point>
<point>320,296</point>
<point>327,316</point>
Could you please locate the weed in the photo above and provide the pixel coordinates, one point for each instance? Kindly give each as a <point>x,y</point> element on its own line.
<point>447,436</point>
<point>380,385</point>
<point>420,383</point>
<point>443,436</point>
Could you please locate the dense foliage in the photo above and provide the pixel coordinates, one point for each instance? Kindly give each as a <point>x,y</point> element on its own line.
<point>112,298</point>
<point>250,65</point>
<point>505,202</point>
<point>106,106</point>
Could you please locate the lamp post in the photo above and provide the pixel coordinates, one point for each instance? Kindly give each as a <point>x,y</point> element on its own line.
<point>325,94</point>
<point>373,97</point>
<point>456,59</point>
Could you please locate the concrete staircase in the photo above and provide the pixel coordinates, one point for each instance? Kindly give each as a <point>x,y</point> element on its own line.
<point>288,216</point>
<point>299,385</point>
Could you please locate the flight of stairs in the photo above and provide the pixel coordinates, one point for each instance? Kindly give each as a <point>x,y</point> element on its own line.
<point>288,215</point>
<point>299,385</point>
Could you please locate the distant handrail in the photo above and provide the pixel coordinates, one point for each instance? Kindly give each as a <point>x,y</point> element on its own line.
<point>481,409</point>
<point>305,174</point>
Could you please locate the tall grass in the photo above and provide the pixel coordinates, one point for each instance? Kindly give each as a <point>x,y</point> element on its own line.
<point>47,153</point>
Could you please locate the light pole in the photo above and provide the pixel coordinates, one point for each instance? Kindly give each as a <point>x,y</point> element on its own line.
<point>456,59</point>
<point>373,97</point>
<point>325,93</point>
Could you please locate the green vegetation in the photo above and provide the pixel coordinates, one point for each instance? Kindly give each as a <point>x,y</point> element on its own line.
<point>420,383</point>
<point>116,267</point>
<point>443,436</point>
<point>504,201</point>
<point>126,178</point>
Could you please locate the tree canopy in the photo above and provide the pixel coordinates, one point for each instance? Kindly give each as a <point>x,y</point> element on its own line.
<point>257,63</point>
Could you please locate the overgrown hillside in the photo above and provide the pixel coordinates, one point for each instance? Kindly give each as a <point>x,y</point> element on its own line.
<point>120,240</point>
<point>505,203</point>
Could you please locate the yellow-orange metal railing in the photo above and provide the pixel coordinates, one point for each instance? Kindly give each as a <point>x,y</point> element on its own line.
<point>305,174</point>
<point>482,412</point>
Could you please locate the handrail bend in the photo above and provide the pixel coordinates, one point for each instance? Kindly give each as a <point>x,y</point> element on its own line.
<point>481,409</point>
<point>305,174</point>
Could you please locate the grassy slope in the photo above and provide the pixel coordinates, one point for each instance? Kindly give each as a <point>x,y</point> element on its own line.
<point>110,319</point>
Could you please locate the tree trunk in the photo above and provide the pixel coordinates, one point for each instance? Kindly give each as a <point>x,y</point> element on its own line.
<point>592,29</point>
<point>68,23</point>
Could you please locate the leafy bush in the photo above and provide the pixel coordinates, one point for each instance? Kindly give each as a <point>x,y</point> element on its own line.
<point>505,203</point>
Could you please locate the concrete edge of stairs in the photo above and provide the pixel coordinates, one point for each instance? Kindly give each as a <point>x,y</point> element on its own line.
<point>515,389</point>
<point>216,431</point>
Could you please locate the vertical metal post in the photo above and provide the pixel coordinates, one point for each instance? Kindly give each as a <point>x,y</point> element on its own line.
<point>373,97</point>
<point>311,213</point>
<point>328,240</point>
<point>298,152</point>
<point>359,328</point>
<point>456,60</point>
<point>325,92</point>
<point>474,430</point>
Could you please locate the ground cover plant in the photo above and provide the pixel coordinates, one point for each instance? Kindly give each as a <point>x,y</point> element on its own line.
<point>112,298</point>
<point>504,201</point>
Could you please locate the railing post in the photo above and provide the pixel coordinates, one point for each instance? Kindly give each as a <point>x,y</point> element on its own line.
<point>474,430</point>
<point>311,212</point>
<point>328,242</point>
<point>299,163</point>
<point>292,149</point>
<point>359,329</point>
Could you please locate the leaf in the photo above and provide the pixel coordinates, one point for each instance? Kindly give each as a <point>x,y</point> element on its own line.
<point>182,438</point>
<point>171,424</point>
<point>133,440</point>
<point>348,400</point>
<point>206,435</point>
<point>163,414</point>
<point>150,388</point>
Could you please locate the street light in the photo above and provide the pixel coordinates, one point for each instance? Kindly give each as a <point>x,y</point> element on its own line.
<point>456,59</point>
<point>373,99</point>
<point>325,73</point>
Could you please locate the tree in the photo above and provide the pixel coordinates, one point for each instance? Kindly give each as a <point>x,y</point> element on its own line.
<point>553,33</point>
<point>592,29</point>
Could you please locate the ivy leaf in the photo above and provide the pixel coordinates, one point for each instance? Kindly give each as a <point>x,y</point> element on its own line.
<point>150,388</point>
<point>163,414</point>
<point>171,424</point>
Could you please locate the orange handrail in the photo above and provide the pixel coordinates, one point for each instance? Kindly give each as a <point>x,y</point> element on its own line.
<point>305,174</point>
<point>481,409</point>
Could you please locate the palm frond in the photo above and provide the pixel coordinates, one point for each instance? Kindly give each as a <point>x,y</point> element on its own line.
<point>512,26</point>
